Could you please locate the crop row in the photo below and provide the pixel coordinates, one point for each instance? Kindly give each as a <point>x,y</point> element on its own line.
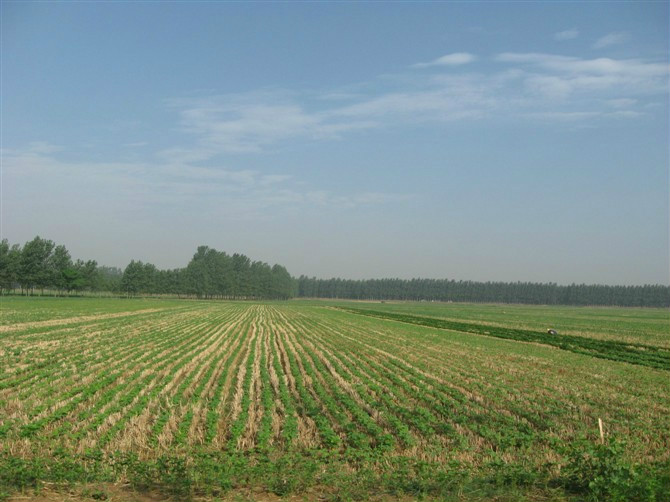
<point>265,378</point>
<point>633,353</point>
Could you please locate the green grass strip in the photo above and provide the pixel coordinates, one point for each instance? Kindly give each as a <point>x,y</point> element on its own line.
<point>633,353</point>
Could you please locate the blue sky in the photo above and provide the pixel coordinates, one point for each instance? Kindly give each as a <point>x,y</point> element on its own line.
<point>485,141</point>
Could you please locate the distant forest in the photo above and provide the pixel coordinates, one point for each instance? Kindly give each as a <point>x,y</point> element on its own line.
<point>446,290</point>
<point>40,265</point>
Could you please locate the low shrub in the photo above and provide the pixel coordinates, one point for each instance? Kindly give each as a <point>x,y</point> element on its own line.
<point>600,472</point>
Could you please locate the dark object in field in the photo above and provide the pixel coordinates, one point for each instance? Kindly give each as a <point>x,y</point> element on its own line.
<point>552,331</point>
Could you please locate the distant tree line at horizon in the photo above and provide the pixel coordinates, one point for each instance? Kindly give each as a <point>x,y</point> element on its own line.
<point>445,290</point>
<point>42,265</point>
<point>211,274</point>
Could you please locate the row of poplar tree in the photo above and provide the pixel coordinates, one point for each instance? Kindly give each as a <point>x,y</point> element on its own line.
<point>445,290</point>
<point>41,265</point>
<point>211,274</point>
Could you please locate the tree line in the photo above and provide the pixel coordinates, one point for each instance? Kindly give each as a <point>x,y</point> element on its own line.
<point>211,274</point>
<point>445,290</point>
<point>41,265</point>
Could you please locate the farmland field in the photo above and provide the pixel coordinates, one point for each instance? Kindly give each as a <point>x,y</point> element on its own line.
<point>335,399</point>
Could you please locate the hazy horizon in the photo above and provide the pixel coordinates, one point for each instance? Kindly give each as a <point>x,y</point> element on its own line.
<point>486,142</point>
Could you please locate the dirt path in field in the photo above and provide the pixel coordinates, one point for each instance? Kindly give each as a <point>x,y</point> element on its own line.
<point>112,492</point>
<point>72,320</point>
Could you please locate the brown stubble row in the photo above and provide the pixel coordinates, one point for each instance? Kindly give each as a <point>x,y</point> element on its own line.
<point>308,436</point>
<point>17,327</point>
<point>318,337</point>
<point>583,392</point>
<point>51,383</point>
<point>127,369</point>
<point>194,358</point>
<point>451,373</point>
<point>85,340</point>
<point>573,394</point>
<point>138,432</point>
<point>196,433</point>
<point>130,437</point>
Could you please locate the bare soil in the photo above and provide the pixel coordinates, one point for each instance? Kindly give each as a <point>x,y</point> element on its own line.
<point>71,320</point>
<point>113,492</point>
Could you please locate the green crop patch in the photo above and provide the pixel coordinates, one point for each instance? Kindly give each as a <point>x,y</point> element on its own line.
<point>213,399</point>
<point>633,353</point>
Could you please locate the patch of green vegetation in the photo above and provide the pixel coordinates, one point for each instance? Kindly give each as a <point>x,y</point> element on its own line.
<point>628,324</point>
<point>328,402</point>
<point>24,309</point>
<point>634,353</point>
<point>588,472</point>
<point>600,472</point>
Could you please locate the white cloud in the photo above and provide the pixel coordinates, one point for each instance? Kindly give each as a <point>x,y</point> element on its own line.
<point>625,114</point>
<point>621,102</point>
<point>181,155</point>
<point>235,127</point>
<point>38,147</point>
<point>582,116</point>
<point>601,66</point>
<point>118,189</point>
<point>528,86</point>
<point>549,85</point>
<point>250,123</point>
<point>378,198</point>
<point>560,76</point>
<point>566,35</point>
<point>437,104</point>
<point>272,179</point>
<point>259,121</point>
<point>339,96</point>
<point>564,116</point>
<point>455,59</point>
<point>610,39</point>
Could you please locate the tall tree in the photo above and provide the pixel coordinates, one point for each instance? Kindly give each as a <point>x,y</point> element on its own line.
<point>10,257</point>
<point>88,270</point>
<point>60,268</point>
<point>132,280</point>
<point>34,269</point>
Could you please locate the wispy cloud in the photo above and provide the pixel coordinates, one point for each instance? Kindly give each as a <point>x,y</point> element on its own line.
<point>272,179</point>
<point>257,121</point>
<point>526,87</point>
<point>146,187</point>
<point>455,59</point>
<point>566,35</point>
<point>563,116</point>
<point>250,123</point>
<point>247,124</point>
<point>43,147</point>
<point>621,102</point>
<point>611,39</point>
<point>578,65</point>
<point>561,76</point>
<point>447,101</point>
